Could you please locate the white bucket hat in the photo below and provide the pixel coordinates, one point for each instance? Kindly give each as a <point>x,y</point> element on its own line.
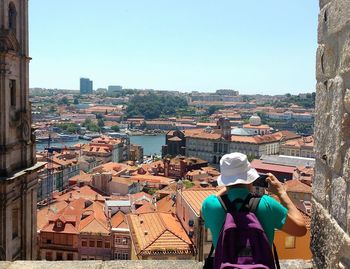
<point>235,169</point>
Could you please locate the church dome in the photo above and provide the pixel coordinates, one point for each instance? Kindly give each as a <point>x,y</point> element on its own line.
<point>255,120</point>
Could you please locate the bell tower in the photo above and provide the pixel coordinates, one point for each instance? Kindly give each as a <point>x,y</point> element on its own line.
<point>18,167</point>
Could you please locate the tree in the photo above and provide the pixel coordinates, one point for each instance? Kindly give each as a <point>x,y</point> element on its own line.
<point>100,123</point>
<point>213,109</point>
<point>91,126</point>
<point>76,101</point>
<point>115,128</point>
<point>63,101</point>
<point>99,116</point>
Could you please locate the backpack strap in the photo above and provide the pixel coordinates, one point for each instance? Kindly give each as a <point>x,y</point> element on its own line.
<point>275,255</point>
<point>253,203</point>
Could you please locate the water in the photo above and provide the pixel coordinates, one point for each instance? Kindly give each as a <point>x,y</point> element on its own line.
<point>151,144</point>
<point>42,146</point>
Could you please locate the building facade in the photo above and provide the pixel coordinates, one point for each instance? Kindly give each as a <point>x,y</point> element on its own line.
<point>18,167</point>
<point>86,86</point>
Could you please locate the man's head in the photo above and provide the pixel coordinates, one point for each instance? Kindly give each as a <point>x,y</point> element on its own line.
<point>236,170</point>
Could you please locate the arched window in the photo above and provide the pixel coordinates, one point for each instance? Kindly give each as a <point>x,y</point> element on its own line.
<point>12,17</point>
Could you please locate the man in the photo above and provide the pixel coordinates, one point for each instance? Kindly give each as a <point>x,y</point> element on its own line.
<point>237,177</point>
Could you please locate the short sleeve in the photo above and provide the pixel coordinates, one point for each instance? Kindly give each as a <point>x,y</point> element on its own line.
<point>213,215</point>
<point>279,212</point>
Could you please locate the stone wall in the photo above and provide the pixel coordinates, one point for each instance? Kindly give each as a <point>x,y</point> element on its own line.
<point>330,242</point>
<point>157,264</point>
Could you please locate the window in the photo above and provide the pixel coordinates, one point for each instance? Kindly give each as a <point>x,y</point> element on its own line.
<point>121,256</point>
<point>48,241</point>
<point>14,223</point>
<point>70,256</point>
<point>84,258</point>
<point>48,256</point>
<point>107,244</point>
<point>289,242</point>
<point>13,92</point>
<point>59,256</point>
<point>91,244</point>
<point>99,244</point>
<point>59,224</point>
<point>84,243</point>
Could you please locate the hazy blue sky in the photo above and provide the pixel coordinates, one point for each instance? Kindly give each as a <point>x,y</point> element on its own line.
<point>253,46</point>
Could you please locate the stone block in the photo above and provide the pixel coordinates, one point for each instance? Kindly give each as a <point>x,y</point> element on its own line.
<point>345,57</point>
<point>323,3</point>
<point>328,122</point>
<point>339,201</point>
<point>329,243</point>
<point>325,62</point>
<point>320,181</point>
<point>335,17</point>
<point>346,166</point>
<point>347,100</point>
<point>152,264</point>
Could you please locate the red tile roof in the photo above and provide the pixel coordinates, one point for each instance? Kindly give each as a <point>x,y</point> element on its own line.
<point>195,197</point>
<point>297,186</point>
<point>260,165</point>
<point>158,233</point>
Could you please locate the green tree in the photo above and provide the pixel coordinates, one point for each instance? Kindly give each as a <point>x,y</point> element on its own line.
<point>63,101</point>
<point>115,128</point>
<point>76,101</point>
<point>187,183</point>
<point>213,109</point>
<point>100,123</point>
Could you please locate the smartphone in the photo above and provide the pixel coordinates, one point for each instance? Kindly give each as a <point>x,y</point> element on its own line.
<point>261,181</point>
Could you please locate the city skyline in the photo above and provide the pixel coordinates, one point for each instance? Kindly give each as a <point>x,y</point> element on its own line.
<point>175,46</point>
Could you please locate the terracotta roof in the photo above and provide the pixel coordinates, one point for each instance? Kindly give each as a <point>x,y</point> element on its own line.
<point>82,177</point>
<point>46,213</point>
<point>86,192</point>
<point>112,167</point>
<point>152,179</point>
<point>195,197</point>
<point>118,220</point>
<point>158,233</point>
<point>297,186</point>
<point>304,142</point>
<point>202,134</point>
<point>249,126</point>
<point>147,207</point>
<point>260,165</point>
<point>140,195</point>
<point>166,205</point>
<point>175,138</point>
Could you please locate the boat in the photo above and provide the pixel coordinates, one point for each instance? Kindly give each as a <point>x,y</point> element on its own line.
<point>67,138</point>
<point>85,137</point>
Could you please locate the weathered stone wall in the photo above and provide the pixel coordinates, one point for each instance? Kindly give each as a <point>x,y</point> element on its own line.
<point>330,242</point>
<point>156,264</point>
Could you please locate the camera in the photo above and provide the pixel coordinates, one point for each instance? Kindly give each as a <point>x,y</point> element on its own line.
<point>261,181</point>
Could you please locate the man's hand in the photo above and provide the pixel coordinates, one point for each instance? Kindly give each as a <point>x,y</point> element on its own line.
<point>275,186</point>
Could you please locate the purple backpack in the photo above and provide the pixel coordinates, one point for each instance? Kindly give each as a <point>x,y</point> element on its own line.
<point>242,241</point>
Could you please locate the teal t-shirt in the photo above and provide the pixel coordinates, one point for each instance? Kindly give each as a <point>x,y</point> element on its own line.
<point>271,214</point>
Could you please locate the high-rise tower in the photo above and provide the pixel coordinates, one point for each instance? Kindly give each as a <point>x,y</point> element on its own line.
<point>18,177</point>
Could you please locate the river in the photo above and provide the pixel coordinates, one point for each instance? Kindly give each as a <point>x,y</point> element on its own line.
<point>151,144</point>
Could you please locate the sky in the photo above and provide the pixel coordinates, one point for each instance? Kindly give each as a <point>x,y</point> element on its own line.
<point>256,47</point>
